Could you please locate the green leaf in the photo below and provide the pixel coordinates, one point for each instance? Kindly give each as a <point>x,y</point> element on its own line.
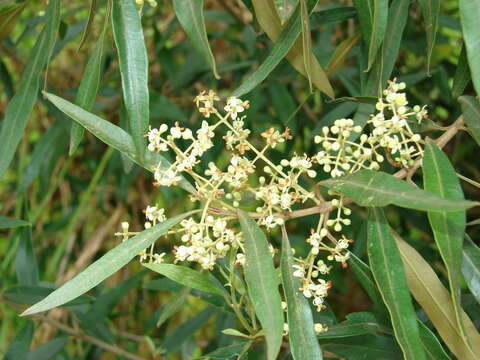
<point>182,333</point>
<point>387,268</point>
<point>172,307</point>
<point>340,55</point>
<point>280,49</point>
<point>18,349</point>
<point>432,296</point>
<point>462,74</point>
<point>306,42</point>
<point>430,13</point>
<point>113,136</point>
<point>364,276</point>
<point>132,57</point>
<point>10,223</point>
<point>108,264</point>
<point>90,83</point>
<point>365,17</point>
<point>469,14</point>
<point>229,351</point>
<point>359,323</point>
<point>268,19</point>
<point>186,276</point>
<point>431,345</point>
<point>301,332</point>
<point>19,108</point>
<point>439,177</point>
<point>88,26</point>
<point>26,263</point>
<point>379,26</point>
<point>331,16</point>
<point>376,188</point>
<point>48,350</point>
<point>190,14</point>
<point>471,115</point>
<point>29,295</point>
<point>262,284</point>
<point>471,267</point>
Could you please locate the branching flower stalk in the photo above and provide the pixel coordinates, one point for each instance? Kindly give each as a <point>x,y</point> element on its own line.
<point>344,148</point>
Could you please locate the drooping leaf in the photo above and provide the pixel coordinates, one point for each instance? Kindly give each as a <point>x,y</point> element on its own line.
<point>133,60</point>
<point>108,264</point>
<point>186,276</point>
<point>387,268</point>
<point>88,88</point>
<point>376,188</point>
<point>462,74</point>
<point>306,42</point>
<point>439,177</point>
<point>469,14</point>
<point>190,14</point>
<point>10,223</point>
<point>471,266</point>
<point>268,19</point>
<point>379,25</point>
<point>113,136</point>
<point>429,292</point>
<point>303,340</point>
<point>430,13</point>
<point>19,108</point>
<point>471,115</point>
<point>262,284</point>
<point>20,345</point>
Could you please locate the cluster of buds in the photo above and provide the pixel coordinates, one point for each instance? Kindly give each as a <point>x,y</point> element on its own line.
<point>276,188</point>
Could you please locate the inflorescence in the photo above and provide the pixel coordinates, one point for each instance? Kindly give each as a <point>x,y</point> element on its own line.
<point>344,148</point>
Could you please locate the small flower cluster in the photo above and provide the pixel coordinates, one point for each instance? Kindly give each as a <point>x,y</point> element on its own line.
<point>249,173</point>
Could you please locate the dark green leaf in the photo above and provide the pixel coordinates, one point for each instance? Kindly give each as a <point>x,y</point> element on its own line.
<point>262,284</point>
<point>29,295</point>
<point>303,340</point>
<point>331,16</point>
<point>430,13</point>
<point>376,188</point>
<point>113,136</point>
<point>9,223</point>
<point>439,177</point>
<point>462,74</point>
<point>471,267</point>
<point>172,307</point>
<point>470,13</point>
<point>48,350</point>
<point>132,57</point>
<point>431,345</point>
<point>18,349</point>
<point>364,276</point>
<point>108,264</point>
<point>186,276</point>
<point>19,108</point>
<point>87,91</point>
<point>26,263</point>
<point>229,351</point>
<point>387,268</point>
<point>379,25</point>
<point>471,115</point>
<point>190,15</point>
<point>306,42</point>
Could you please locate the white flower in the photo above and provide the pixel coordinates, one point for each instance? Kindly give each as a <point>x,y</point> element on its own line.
<point>235,106</point>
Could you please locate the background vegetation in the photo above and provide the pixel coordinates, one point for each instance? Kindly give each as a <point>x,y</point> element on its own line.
<point>63,194</point>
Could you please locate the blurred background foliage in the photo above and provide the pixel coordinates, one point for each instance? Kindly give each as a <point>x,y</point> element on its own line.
<point>76,202</point>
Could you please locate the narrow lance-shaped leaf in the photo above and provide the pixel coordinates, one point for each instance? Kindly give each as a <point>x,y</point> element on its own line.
<point>108,264</point>
<point>387,269</point>
<point>439,177</point>
<point>341,53</point>
<point>88,88</point>
<point>9,223</point>
<point>469,14</point>
<point>19,108</point>
<point>270,23</point>
<point>365,17</point>
<point>432,296</point>
<point>379,25</point>
<point>113,136</point>
<point>18,349</point>
<point>262,284</point>
<point>301,332</point>
<point>471,115</point>
<point>431,345</point>
<point>186,276</point>
<point>462,74</point>
<point>307,42</point>
<point>376,188</point>
<point>190,14</point>
<point>25,262</point>
<point>132,57</point>
<point>430,13</point>
<point>471,266</point>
